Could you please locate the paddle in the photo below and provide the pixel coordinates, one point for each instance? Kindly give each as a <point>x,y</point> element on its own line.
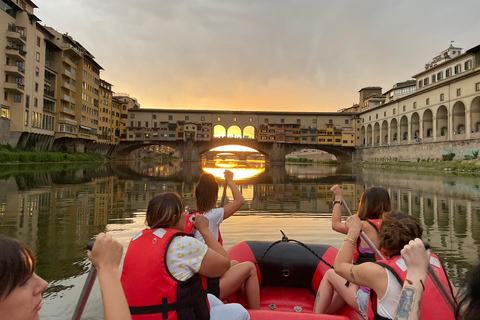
<point>224,195</point>
<point>87,287</point>
<point>436,281</point>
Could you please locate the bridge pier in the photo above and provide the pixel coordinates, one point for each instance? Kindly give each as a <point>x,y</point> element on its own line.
<point>191,151</point>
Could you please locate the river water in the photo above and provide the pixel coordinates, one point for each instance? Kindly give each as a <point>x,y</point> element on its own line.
<point>57,209</point>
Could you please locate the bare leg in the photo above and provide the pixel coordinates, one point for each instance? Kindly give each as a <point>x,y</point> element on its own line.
<point>333,282</point>
<point>245,274</point>
<point>337,303</point>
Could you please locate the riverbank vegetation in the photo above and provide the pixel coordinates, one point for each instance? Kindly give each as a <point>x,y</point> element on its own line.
<point>448,163</point>
<point>308,160</point>
<point>15,156</point>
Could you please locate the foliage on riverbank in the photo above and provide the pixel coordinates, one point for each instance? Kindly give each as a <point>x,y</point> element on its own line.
<point>459,166</point>
<point>14,156</point>
<point>307,160</point>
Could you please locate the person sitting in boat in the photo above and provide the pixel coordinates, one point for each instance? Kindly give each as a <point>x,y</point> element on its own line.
<point>206,196</point>
<point>333,292</point>
<point>21,288</point>
<point>384,277</point>
<point>164,269</point>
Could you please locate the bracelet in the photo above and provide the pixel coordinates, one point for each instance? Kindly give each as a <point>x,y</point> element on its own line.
<point>411,282</point>
<point>349,240</point>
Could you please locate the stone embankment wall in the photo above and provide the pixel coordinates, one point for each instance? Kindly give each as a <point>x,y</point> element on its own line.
<point>4,131</point>
<point>423,151</point>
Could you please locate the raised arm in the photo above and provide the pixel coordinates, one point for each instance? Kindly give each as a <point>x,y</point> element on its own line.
<point>366,274</point>
<point>337,223</point>
<point>216,261</point>
<point>105,256</point>
<point>417,260</point>
<point>238,199</point>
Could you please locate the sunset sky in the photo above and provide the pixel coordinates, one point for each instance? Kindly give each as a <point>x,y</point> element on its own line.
<point>277,55</point>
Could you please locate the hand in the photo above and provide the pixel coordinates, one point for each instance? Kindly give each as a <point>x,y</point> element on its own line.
<point>201,222</point>
<point>106,252</point>
<point>415,256</point>
<point>354,223</point>
<point>228,175</point>
<point>337,191</point>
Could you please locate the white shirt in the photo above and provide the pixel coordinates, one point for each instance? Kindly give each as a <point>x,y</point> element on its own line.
<point>215,217</point>
<point>387,305</point>
<point>184,257</point>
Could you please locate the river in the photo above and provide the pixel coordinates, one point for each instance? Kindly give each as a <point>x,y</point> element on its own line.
<point>56,209</point>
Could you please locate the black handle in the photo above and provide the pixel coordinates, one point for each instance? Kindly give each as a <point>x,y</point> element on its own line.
<point>427,245</point>
<point>90,245</point>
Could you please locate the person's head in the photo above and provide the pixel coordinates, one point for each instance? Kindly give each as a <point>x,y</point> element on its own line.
<point>166,211</point>
<point>206,192</point>
<point>373,203</point>
<point>470,299</point>
<point>396,231</point>
<point>20,288</point>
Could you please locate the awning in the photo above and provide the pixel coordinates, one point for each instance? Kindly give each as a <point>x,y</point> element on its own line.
<point>86,128</point>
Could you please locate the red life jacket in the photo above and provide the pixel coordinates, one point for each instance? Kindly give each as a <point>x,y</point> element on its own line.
<point>361,257</point>
<point>433,305</point>
<point>152,292</point>
<point>189,225</point>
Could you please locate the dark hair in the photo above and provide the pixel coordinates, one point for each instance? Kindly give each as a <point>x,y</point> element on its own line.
<point>470,299</point>
<point>373,203</point>
<point>17,263</point>
<point>206,192</point>
<point>164,210</point>
<point>396,230</point>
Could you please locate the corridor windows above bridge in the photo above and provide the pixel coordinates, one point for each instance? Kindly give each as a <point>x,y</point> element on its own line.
<point>442,96</point>
<point>132,115</point>
<point>282,120</point>
<point>170,117</point>
<point>187,118</point>
<point>427,102</point>
<point>250,119</point>
<point>266,120</point>
<point>203,118</point>
<point>459,92</point>
<point>219,119</point>
<point>234,119</point>
<point>477,86</point>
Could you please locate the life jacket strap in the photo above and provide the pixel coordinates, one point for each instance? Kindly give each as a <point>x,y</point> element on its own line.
<point>166,307</point>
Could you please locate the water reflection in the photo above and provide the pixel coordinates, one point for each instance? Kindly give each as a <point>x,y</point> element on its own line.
<point>58,211</point>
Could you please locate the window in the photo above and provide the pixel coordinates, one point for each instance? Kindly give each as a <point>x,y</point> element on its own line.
<point>203,118</point>
<point>36,86</point>
<point>170,117</point>
<point>376,116</point>
<point>459,92</point>
<point>457,69</point>
<point>440,75</point>
<point>298,121</point>
<point>434,78</point>
<point>282,120</point>
<point>219,119</point>
<point>132,115</point>
<point>5,95</point>
<point>38,56</point>
<point>37,71</point>
<point>405,107</point>
<point>35,102</point>
<point>425,82</point>
<point>394,110</point>
<point>468,64</point>
<point>346,121</point>
<point>234,119</point>
<point>187,118</point>
<point>477,86</point>
<point>38,41</point>
<point>146,124</point>
<point>448,73</point>
<point>17,98</point>
<point>369,118</point>
<point>139,124</point>
<point>25,118</point>
<point>250,119</point>
<point>154,116</point>
<point>420,84</point>
<point>385,113</point>
<point>266,120</point>
<point>131,123</point>
<point>427,102</point>
<point>442,96</point>
<point>330,121</point>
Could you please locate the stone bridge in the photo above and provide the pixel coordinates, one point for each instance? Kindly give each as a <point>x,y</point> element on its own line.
<point>274,152</point>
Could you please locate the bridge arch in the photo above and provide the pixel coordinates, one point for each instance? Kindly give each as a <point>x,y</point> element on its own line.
<point>249,132</point>
<point>219,131</point>
<point>234,132</point>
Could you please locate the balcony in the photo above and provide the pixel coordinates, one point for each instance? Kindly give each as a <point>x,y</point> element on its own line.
<point>66,85</point>
<point>71,49</point>
<point>49,93</point>
<point>66,72</point>
<point>15,53</point>
<point>66,97</point>
<point>16,88</point>
<point>16,38</point>
<point>17,72</point>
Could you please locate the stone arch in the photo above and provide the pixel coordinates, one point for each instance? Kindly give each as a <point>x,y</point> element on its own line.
<point>427,121</point>
<point>394,130</point>
<point>369,135</point>
<point>458,118</point>
<point>415,126</point>
<point>376,134</point>
<point>234,132</point>
<point>475,115</point>
<point>385,132</point>
<point>249,132</point>
<point>442,122</point>
<point>362,136</point>
<point>404,129</point>
<point>219,131</point>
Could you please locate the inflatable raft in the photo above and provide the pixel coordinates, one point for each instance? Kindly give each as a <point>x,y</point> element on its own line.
<point>289,273</point>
